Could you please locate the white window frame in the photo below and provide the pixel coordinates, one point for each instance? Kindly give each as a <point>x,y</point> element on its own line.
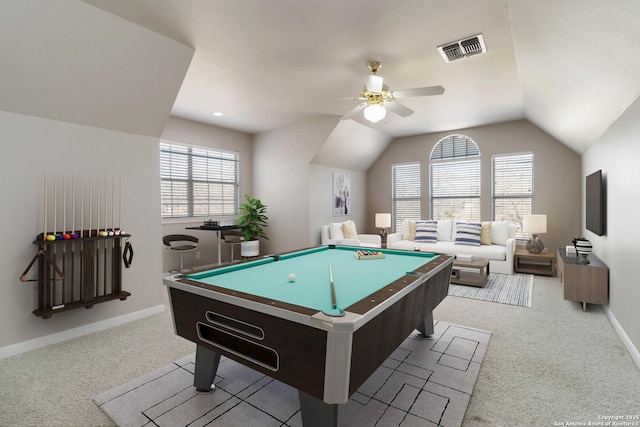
<point>455,179</point>
<point>406,189</point>
<point>518,167</point>
<point>198,182</point>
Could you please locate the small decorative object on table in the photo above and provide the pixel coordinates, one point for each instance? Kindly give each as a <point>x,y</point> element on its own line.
<point>368,254</point>
<point>583,249</point>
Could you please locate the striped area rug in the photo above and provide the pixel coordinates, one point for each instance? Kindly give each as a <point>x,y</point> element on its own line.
<point>425,382</point>
<point>513,289</point>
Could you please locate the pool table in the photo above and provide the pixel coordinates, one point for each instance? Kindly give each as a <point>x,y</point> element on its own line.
<point>323,332</point>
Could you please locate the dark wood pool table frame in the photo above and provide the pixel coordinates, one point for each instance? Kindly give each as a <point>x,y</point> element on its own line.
<point>326,359</point>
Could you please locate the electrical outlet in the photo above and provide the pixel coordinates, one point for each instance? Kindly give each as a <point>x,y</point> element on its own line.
<point>197,254</point>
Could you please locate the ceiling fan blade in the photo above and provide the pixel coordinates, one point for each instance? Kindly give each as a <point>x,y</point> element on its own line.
<point>397,108</point>
<point>354,112</point>
<point>419,91</point>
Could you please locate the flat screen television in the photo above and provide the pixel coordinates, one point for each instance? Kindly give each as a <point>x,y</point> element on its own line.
<point>595,206</point>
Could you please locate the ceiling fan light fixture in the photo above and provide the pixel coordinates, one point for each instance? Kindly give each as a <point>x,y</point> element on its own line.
<point>374,84</point>
<point>374,113</point>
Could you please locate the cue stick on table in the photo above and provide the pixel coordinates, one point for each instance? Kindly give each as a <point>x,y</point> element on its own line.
<point>333,290</point>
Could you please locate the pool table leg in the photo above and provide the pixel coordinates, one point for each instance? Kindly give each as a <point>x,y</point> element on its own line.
<point>426,327</point>
<point>316,413</point>
<point>207,362</point>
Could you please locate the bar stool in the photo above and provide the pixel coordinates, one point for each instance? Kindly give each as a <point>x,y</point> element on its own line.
<point>181,243</point>
<point>233,238</point>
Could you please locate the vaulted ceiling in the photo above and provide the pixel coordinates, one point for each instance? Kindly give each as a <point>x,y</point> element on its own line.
<point>570,67</point>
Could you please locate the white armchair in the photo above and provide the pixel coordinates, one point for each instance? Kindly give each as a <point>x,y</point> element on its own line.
<point>333,234</point>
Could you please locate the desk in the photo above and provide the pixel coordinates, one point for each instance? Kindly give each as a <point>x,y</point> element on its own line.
<point>217,229</point>
<point>251,313</point>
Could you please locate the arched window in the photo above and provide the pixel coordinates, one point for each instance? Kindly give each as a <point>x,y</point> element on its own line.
<point>455,179</point>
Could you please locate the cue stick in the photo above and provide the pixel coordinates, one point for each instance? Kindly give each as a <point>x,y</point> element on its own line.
<point>98,205</point>
<point>106,217</point>
<point>64,230</point>
<point>90,178</point>
<point>55,232</point>
<point>73,230</point>
<point>120,226</point>
<point>54,203</point>
<point>44,229</point>
<point>113,188</point>
<point>81,205</point>
<point>333,290</point>
<point>64,203</point>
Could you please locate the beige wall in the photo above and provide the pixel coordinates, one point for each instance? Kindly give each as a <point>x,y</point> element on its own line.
<point>556,173</point>
<point>194,133</point>
<point>33,146</point>
<point>617,154</point>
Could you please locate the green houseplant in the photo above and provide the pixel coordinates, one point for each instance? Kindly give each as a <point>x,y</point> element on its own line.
<point>252,222</point>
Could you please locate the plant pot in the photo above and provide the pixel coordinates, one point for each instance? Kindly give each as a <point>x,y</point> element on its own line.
<point>250,248</point>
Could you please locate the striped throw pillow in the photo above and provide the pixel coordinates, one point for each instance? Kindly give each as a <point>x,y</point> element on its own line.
<point>426,231</point>
<point>468,233</point>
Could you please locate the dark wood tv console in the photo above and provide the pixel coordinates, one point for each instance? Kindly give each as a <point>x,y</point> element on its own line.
<point>585,283</point>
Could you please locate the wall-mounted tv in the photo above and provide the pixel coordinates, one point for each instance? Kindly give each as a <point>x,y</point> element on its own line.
<point>595,206</point>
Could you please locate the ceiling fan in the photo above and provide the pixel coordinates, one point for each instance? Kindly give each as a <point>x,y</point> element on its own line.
<point>377,98</point>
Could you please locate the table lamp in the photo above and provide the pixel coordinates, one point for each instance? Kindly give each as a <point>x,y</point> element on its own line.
<point>534,224</point>
<point>383,221</point>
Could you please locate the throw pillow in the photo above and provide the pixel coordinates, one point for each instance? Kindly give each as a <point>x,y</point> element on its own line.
<point>485,233</point>
<point>426,231</point>
<point>499,232</point>
<point>412,230</point>
<point>349,230</point>
<point>468,233</point>
<point>335,230</point>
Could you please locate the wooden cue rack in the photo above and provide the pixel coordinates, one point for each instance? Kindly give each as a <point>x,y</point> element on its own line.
<point>91,269</point>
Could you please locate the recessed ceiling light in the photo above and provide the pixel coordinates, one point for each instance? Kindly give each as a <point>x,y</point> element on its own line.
<point>218,114</point>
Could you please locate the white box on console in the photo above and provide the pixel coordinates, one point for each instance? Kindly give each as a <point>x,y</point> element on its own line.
<point>570,250</point>
<point>464,257</point>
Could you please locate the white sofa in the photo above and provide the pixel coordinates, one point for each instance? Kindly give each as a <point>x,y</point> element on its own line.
<point>498,242</point>
<point>345,233</point>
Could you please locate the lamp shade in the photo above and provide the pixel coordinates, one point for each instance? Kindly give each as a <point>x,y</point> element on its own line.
<point>374,113</point>
<point>534,224</point>
<point>383,220</point>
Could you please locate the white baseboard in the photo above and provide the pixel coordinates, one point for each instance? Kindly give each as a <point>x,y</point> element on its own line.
<point>21,347</point>
<point>635,355</point>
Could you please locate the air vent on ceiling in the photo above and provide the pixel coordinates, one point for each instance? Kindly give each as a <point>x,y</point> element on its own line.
<point>462,48</point>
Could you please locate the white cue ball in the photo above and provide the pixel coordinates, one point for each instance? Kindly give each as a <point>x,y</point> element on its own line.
<point>292,277</point>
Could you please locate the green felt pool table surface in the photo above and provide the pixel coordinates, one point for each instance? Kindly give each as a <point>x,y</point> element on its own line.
<point>354,279</point>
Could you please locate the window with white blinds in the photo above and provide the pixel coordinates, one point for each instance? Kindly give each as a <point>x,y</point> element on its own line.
<point>406,193</point>
<point>198,182</point>
<point>455,179</point>
<point>512,177</point>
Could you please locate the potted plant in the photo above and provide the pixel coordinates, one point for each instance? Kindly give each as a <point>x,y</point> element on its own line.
<point>252,221</point>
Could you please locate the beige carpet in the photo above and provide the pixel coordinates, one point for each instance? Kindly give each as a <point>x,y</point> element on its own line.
<point>545,364</point>
<point>426,382</point>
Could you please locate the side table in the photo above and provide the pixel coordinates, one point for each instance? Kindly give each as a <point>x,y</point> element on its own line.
<point>541,264</point>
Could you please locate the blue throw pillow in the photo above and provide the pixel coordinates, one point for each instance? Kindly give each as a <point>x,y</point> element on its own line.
<point>426,231</point>
<point>468,233</point>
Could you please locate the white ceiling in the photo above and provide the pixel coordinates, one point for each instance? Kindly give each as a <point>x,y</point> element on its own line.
<point>569,67</point>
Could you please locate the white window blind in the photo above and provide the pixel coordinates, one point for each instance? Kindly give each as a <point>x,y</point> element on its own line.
<point>406,193</point>
<point>198,182</point>
<point>455,190</point>
<point>513,189</point>
<point>455,179</point>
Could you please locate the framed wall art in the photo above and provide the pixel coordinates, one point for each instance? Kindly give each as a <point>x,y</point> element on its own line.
<point>341,194</point>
